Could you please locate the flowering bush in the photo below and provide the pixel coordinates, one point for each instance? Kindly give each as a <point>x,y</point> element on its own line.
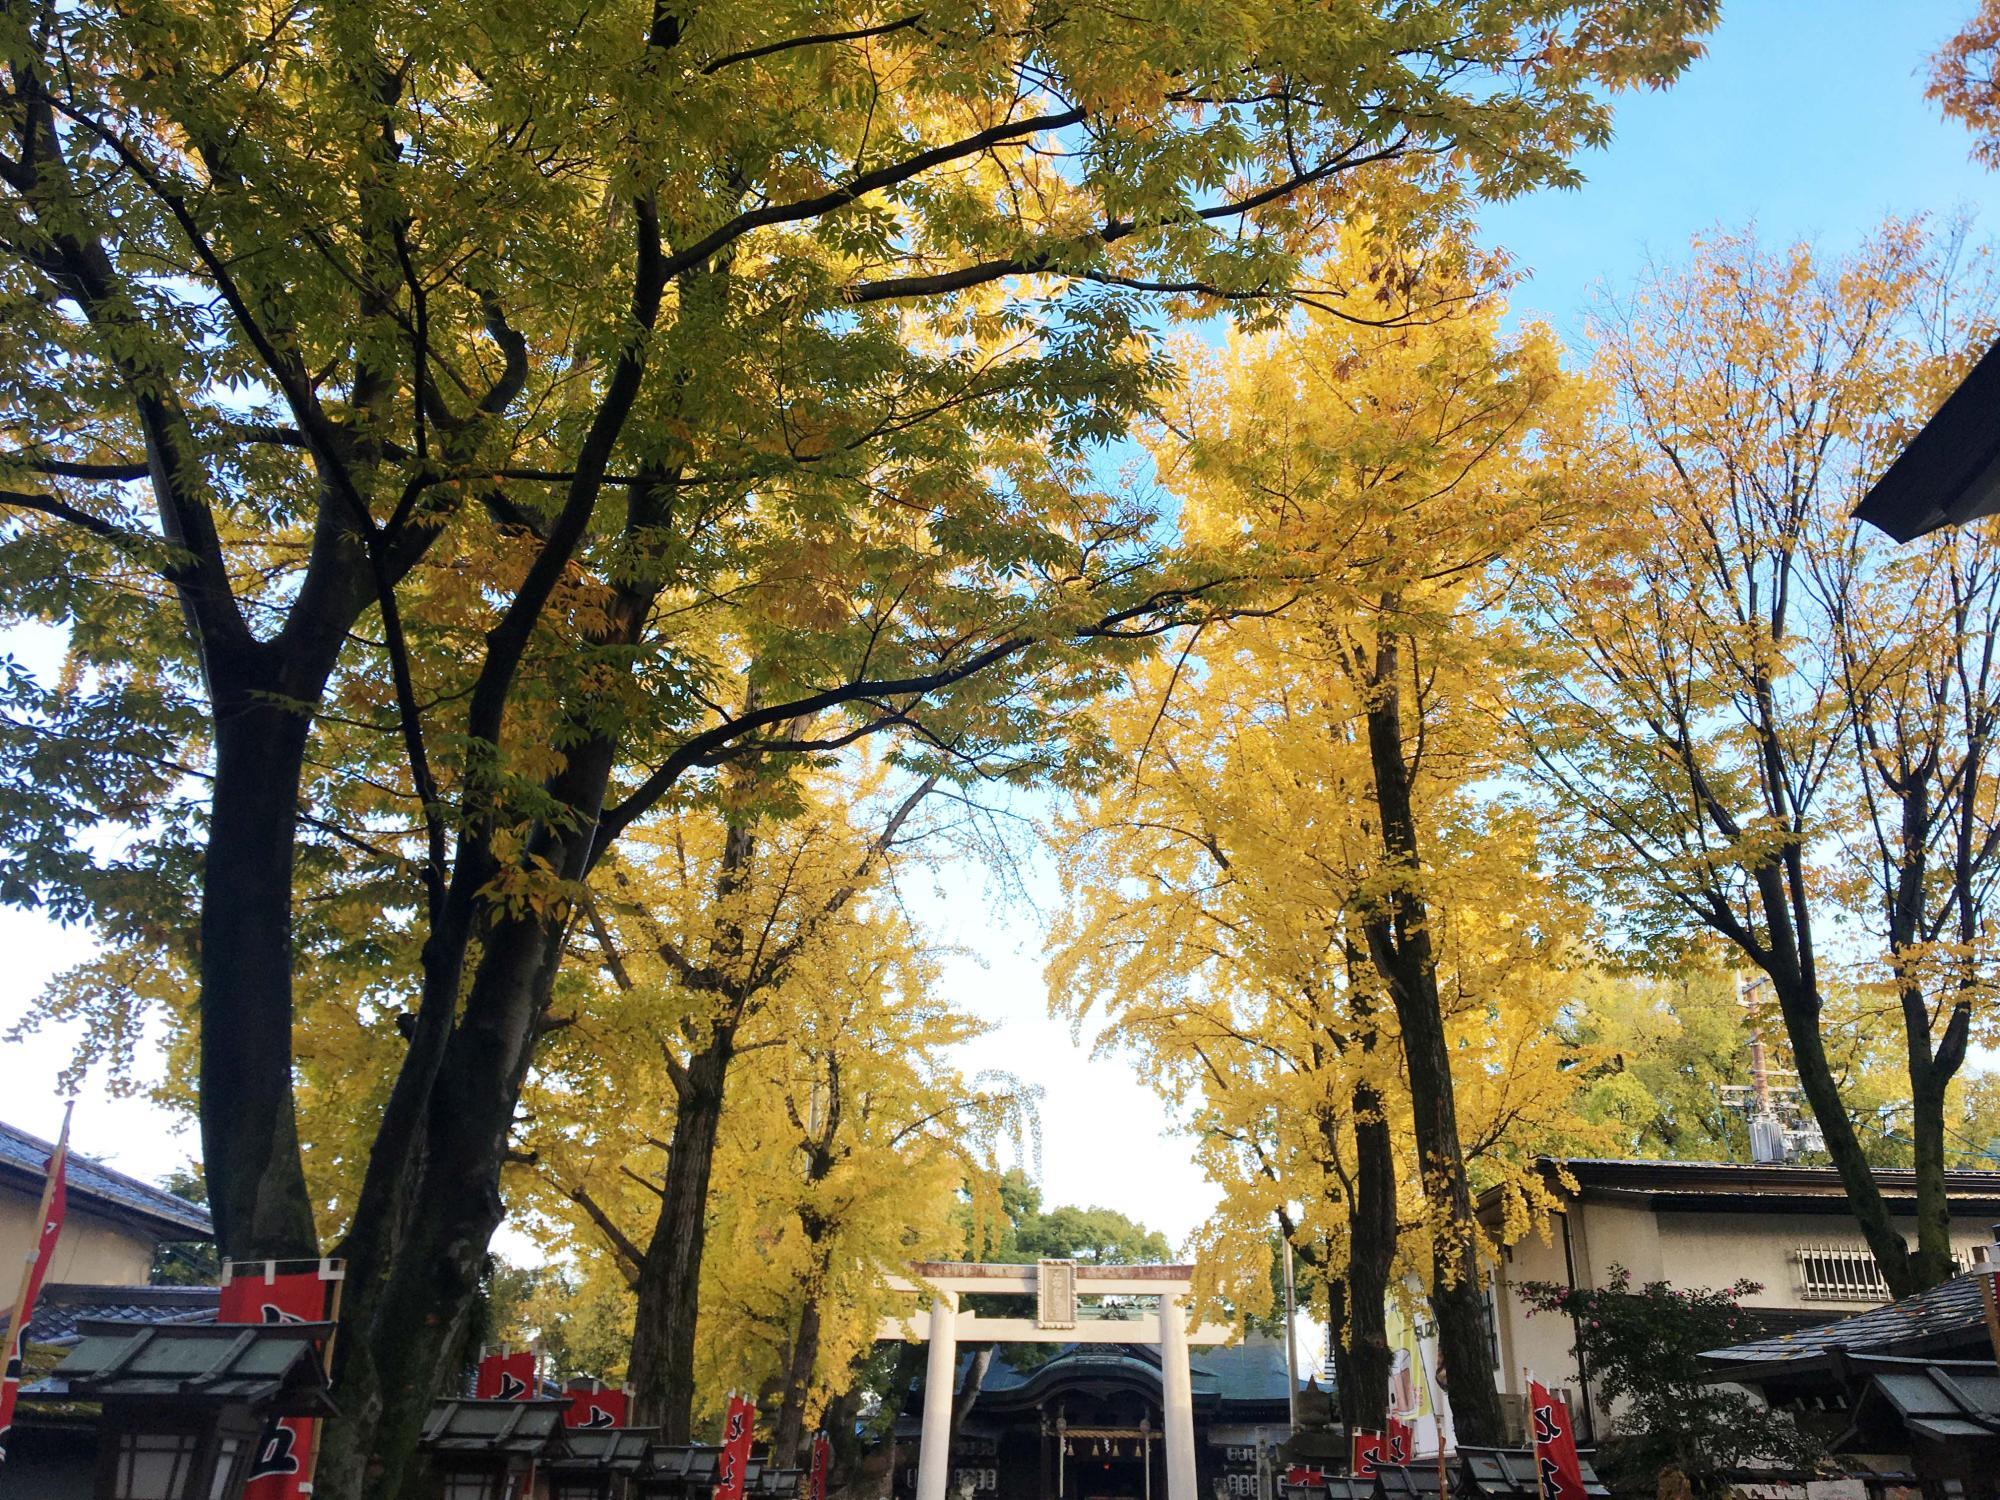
<point>1639,1347</point>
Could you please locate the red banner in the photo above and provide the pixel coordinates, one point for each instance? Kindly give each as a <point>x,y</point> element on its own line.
<point>1400,1446</point>
<point>739,1425</point>
<point>55,1202</point>
<point>595,1405</point>
<point>506,1377</point>
<point>1368,1456</point>
<point>1554,1442</point>
<point>822,1462</point>
<point>258,1292</point>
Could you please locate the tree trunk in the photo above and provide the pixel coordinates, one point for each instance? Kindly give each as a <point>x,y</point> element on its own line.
<point>417,1255</point>
<point>430,1200</point>
<point>1371,1252</point>
<point>789,1431</point>
<point>1799,1005</point>
<point>406,1328</point>
<point>967,1394</point>
<point>1399,942</point>
<point>249,1128</point>
<point>663,1338</point>
<point>1931,1262</point>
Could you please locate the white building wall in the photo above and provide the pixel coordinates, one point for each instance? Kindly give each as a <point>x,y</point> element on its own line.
<point>1685,1248</point>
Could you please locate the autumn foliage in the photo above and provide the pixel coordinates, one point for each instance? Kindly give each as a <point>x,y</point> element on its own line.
<point>549,519</point>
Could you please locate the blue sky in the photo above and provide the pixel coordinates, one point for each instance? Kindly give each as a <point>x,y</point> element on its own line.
<point>1807,117</point>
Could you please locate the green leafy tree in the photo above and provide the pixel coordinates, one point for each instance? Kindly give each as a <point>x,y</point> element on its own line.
<point>1641,1347</point>
<point>186,1262</point>
<point>1673,1042</point>
<point>418,417</point>
<point>1096,1236</point>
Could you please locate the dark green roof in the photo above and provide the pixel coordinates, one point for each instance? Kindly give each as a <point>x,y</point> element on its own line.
<point>522,1429</point>
<point>1945,1402</point>
<point>621,1450</point>
<point>273,1366</point>
<point>1513,1474</point>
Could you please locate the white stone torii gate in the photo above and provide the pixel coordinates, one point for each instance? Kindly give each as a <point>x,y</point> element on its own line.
<point>1055,1286</point>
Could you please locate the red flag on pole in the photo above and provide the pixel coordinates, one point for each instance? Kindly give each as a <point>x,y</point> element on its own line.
<point>1554,1441</point>
<point>594,1404</point>
<point>55,1201</point>
<point>506,1377</point>
<point>257,1291</point>
<point>1400,1444</point>
<point>1368,1455</point>
<point>822,1461</point>
<point>739,1424</point>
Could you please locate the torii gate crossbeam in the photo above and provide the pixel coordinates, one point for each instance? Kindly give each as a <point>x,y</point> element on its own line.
<point>1055,1285</point>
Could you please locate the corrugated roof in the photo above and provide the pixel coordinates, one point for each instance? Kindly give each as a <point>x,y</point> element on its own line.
<point>24,1162</point>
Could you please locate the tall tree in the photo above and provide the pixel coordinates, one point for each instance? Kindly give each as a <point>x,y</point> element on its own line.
<point>447,364</point>
<point>833,1141</point>
<point>1386,463</point>
<point>1783,724</point>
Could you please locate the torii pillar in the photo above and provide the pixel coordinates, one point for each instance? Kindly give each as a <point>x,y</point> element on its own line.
<point>940,1394</point>
<point>1176,1398</point>
<point>1056,1287</point>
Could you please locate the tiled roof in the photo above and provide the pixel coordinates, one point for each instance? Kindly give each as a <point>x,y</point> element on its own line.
<point>24,1162</point>
<point>65,1305</point>
<point>1253,1370</point>
<point>1931,1322</point>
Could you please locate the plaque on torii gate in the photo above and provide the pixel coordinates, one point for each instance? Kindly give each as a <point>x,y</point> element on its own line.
<point>1056,1286</point>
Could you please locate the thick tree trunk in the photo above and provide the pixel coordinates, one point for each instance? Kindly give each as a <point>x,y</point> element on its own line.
<point>1371,1252</point>
<point>1399,942</point>
<point>249,1129</point>
<point>663,1339</point>
<point>412,1309</point>
<point>1931,1262</point>
<point>417,1253</point>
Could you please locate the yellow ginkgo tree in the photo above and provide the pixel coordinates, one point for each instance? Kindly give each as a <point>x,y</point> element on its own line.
<point>1317,798</point>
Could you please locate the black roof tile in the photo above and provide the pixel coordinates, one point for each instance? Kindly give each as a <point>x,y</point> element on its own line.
<point>1931,1322</point>
<point>24,1163</point>
<point>65,1306</point>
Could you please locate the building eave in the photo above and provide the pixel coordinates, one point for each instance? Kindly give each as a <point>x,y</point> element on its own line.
<point>1742,1186</point>
<point>1950,472</point>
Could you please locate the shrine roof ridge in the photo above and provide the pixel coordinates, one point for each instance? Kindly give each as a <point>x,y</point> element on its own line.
<point>930,1270</point>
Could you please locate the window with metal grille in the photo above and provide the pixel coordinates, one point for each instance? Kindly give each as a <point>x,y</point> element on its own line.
<point>1839,1273</point>
<point>1845,1273</point>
